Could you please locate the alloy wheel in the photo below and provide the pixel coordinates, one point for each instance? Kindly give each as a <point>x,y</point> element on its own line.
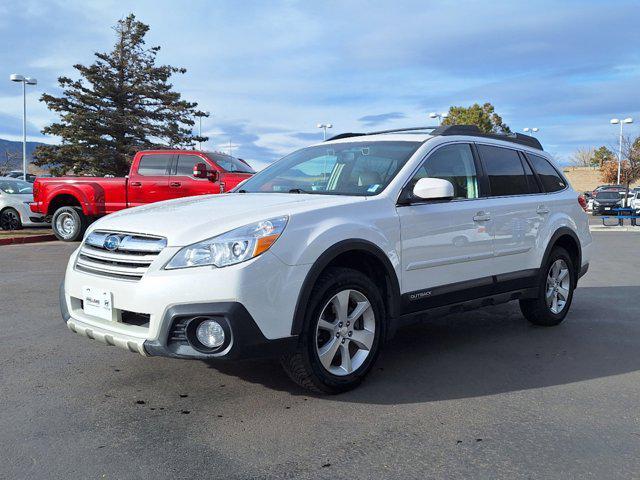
<point>558,286</point>
<point>65,224</point>
<point>345,332</point>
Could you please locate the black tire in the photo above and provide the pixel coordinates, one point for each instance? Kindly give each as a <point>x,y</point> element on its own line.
<point>10,219</point>
<point>74,223</point>
<point>303,365</point>
<point>536,310</point>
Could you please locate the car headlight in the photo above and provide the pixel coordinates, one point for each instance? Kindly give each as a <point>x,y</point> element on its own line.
<point>233,247</point>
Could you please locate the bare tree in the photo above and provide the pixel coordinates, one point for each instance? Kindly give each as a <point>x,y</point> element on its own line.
<point>6,162</point>
<point>583,157</point>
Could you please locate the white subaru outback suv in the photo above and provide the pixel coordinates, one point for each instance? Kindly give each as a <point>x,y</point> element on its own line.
<point>321,256</point>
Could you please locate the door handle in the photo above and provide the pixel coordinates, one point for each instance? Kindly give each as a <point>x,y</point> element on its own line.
<point>542,210</point>
<point>135,184</point>
<point>482,217</point>
<point>175,184</point>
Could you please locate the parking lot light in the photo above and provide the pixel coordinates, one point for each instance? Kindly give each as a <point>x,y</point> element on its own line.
<point>616,121</point>
<point>25,81</point>
<point>324,126</point>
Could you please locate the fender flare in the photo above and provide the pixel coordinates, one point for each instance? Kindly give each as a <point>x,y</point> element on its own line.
<point>74,192</point>
<point>560,232</point>
<point>325,259</point>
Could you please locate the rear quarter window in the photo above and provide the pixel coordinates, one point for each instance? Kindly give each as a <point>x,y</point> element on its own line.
<point>551,180</point>
<point>151,165</point>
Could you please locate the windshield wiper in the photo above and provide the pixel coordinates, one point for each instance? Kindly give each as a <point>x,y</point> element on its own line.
<point>298,190</point>
<point>242,190</point>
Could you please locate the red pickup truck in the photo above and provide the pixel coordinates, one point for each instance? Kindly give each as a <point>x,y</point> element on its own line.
<point>73,202</point>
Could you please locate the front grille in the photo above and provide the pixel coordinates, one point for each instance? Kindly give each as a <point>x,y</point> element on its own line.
<point>128,256</point>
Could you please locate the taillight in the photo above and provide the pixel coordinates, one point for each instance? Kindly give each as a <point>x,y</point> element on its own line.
<point>583,202</point>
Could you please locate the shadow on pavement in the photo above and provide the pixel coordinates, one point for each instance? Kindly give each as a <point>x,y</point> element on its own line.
<point>490,351</point>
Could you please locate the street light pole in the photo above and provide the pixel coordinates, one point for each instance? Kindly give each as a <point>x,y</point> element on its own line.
<point>200,115</point>
<point>25,81</point>
<point>615,121</point>
<point>439,116</point>
<point>324,127</point>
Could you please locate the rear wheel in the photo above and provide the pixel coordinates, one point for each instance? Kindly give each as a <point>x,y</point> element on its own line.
<point>69,223</point>
<point>344,325</point>
<point>10,219</point>
<point>556,286</point>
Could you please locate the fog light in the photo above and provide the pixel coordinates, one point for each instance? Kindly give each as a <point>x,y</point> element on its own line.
<point>210,334</point>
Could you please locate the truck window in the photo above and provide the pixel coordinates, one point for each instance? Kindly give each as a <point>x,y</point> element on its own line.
<point>153,165</point>
<point>184,167</point>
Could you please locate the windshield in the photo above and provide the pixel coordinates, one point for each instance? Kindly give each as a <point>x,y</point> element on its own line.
<point>229,163</point>
<point>608,196</point>
<point>354,168</point>
<point>16,186</point>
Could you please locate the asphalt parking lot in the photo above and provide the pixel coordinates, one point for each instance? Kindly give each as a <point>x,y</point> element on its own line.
<point>477,395</point>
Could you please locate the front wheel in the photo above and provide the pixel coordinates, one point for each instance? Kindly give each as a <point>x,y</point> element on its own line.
<point>342,334</point>
<point>69,223</point>
<point>556,285</point>
<point>10,219</point>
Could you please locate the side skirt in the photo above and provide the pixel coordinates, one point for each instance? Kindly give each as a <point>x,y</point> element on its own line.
<point>468,295</point>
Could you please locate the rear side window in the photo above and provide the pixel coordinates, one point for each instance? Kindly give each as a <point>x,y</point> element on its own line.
<point>154,165</point>
<point>548,175</point>
<point>184,167</point>
<point>531,179</point>
<point>505,171</point>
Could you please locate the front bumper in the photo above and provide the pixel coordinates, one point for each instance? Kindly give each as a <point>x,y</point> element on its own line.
<point>244,338</point>
<point>255,299</point>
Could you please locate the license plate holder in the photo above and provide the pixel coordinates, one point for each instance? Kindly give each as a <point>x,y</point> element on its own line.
<point>97,303</point>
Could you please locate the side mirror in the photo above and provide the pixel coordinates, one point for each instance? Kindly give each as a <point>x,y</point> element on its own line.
<point>433,189</point>
<point>213,175</point>
<point>200,170</point>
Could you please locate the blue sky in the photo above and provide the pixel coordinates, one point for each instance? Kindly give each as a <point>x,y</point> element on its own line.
<point>270,71</point>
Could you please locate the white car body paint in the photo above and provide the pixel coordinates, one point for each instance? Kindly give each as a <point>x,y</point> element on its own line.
<point>428,245</point>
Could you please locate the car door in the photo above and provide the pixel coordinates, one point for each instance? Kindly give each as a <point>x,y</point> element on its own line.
<point>150,181</point>
<point>517,207</point>
<point>182,182</point>
<point>447,246</point>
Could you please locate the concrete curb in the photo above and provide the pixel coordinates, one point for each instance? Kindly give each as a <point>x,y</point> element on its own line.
<point>615,228</point>
<point>31,239</point>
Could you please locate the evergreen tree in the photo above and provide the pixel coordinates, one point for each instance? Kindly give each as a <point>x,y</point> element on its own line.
<point>484,116</point>
<point>122,103</point>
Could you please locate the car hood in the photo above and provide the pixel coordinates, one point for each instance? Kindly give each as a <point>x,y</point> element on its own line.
<point>188,220</point>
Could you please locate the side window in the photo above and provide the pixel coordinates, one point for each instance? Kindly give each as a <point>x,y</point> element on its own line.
<point>454,163</point>
<point>531,179</point>
<point>549,176</point>
<point>184,166</point>
<point>505,171</point>
<point>153,165</point>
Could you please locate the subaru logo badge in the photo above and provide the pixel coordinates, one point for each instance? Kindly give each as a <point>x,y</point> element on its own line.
<point>111,243</point>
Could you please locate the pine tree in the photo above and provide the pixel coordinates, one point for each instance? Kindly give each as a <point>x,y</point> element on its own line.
<point>122,103</point>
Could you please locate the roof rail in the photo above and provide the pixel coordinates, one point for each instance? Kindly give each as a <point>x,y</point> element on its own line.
<point>395,130</point>
<point>519,138</point>
<point>445,130</point>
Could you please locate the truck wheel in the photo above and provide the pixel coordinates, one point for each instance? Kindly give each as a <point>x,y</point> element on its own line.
<point>69,224</point>
<point>10,219</point>
<point>556,285</point>
<point>342,334</point>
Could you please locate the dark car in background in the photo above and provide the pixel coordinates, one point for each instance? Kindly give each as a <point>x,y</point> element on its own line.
<point>605,201</point>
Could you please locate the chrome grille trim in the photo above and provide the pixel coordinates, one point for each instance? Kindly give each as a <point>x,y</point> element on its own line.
<point>129,261</point>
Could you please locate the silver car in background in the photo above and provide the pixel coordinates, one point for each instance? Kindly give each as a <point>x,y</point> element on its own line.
<point>15,196</point>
